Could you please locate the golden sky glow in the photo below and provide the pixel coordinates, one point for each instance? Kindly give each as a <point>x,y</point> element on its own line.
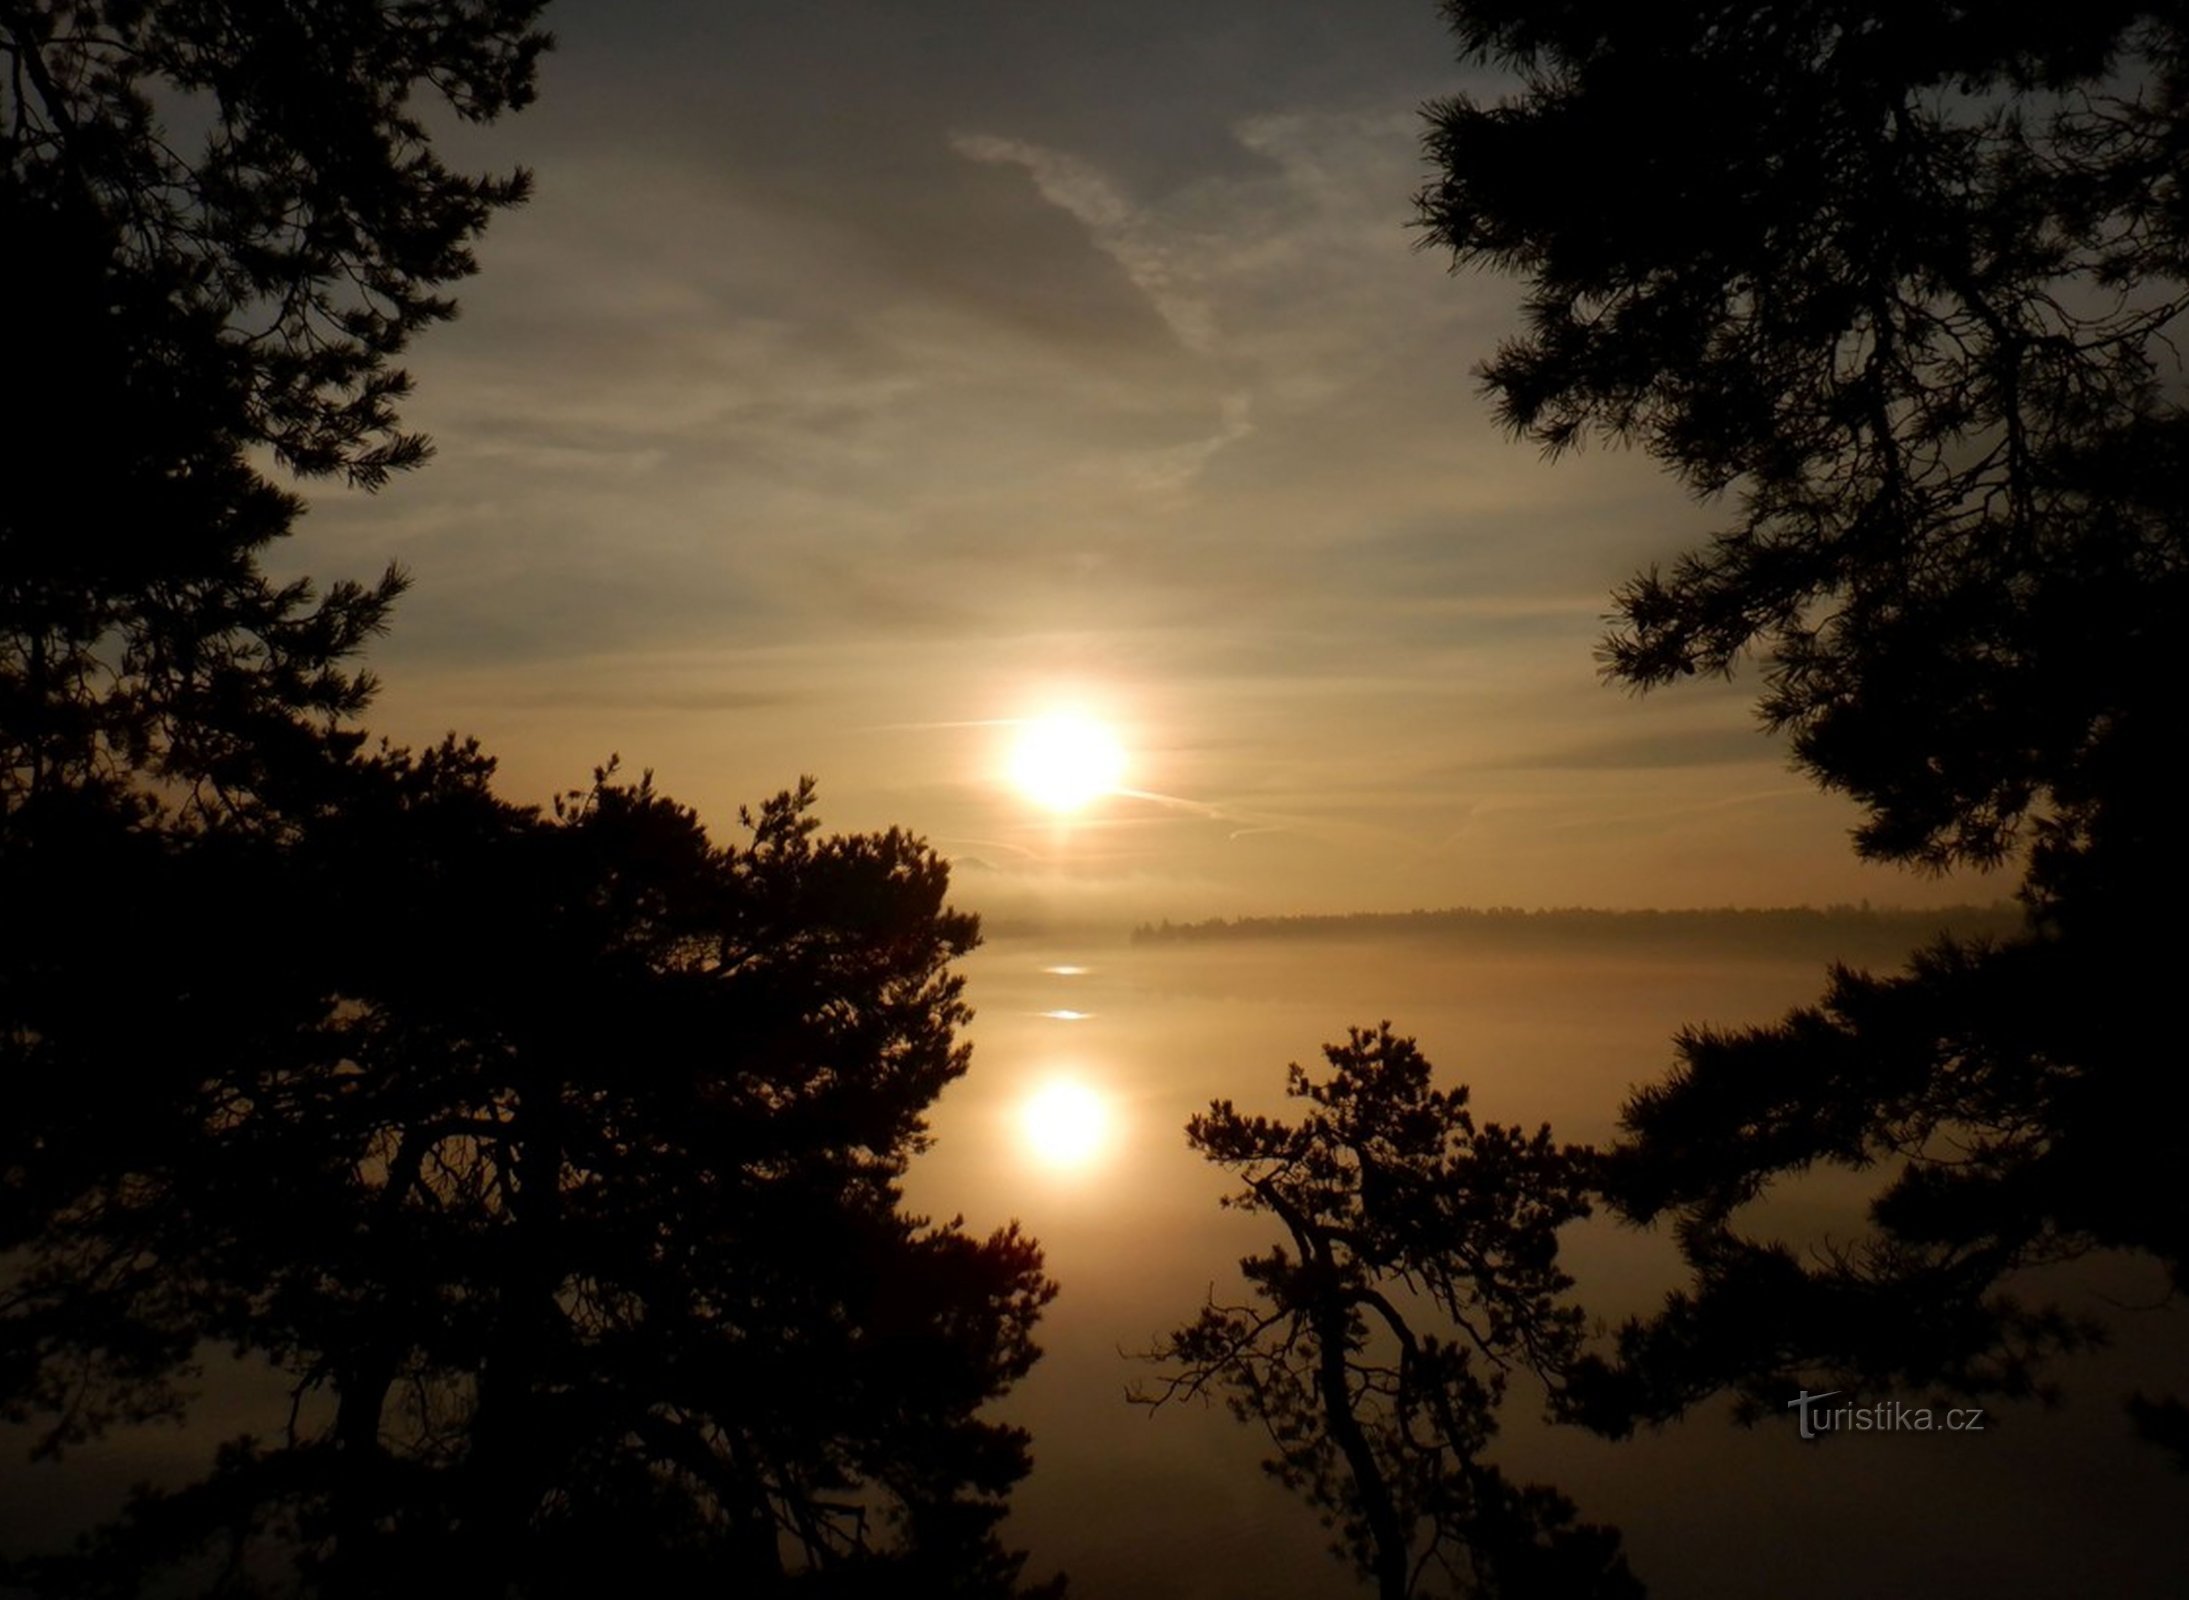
<point>765,455</point>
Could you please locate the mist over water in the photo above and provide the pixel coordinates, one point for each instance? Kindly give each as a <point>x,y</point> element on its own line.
<point>1120,1497</point>
<point>1172,1506</point>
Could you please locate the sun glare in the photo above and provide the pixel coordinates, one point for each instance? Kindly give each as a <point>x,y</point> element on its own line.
<point>1065,761</point>
<point>1065,1124</point>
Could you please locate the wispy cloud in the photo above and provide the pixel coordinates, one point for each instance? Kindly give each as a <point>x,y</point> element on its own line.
<point>816,456</point>
<point>1123,231</point>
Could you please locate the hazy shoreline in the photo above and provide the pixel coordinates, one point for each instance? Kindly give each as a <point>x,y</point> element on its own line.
<point>1827,932</point>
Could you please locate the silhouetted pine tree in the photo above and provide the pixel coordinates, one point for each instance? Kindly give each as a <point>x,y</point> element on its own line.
<point>552,1159</point>
<point>565,1192</point>
<point>1421,1270</point>
<point>1899,283</point>
<point>224,227</point>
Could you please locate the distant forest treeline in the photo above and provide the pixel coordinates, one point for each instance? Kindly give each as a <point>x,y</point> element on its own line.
<point>1839,932</point>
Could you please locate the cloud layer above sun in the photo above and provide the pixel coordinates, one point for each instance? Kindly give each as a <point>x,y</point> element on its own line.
<point>864,379</point>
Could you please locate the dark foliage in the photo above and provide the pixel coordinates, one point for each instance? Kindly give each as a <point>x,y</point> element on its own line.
<point>1899,279</point>
<point>1421,1272</point>
<point>1898,282</point>
<point>555,1161</point>
<point>2004,1097</point>
<point>224,224</point>
<point>265,173</point>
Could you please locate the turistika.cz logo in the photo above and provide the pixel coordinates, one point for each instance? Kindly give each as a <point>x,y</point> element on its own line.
<point>1887,1416</point>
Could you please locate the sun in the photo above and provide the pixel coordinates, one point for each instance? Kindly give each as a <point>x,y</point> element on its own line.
<point>1065,1124</point>
<point>1066,761</point>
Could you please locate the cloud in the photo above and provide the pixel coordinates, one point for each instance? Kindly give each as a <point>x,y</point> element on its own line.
<point>1121,230</point>
<point>1676,747</point>
<point>738,470</point>
<point>1175,466</point>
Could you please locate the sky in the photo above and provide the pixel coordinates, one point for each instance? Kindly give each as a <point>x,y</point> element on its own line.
<point>865,380</point>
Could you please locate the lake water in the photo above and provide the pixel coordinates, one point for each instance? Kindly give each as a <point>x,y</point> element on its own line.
<point>1172,1504</point>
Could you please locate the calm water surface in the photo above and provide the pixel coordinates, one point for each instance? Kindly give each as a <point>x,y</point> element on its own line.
<point>1161,1507</point>
<point>1171,1504</point>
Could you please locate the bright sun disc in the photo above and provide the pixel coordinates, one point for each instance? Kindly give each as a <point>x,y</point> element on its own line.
<point>1065,1124</point>
<point>1065,761</point>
